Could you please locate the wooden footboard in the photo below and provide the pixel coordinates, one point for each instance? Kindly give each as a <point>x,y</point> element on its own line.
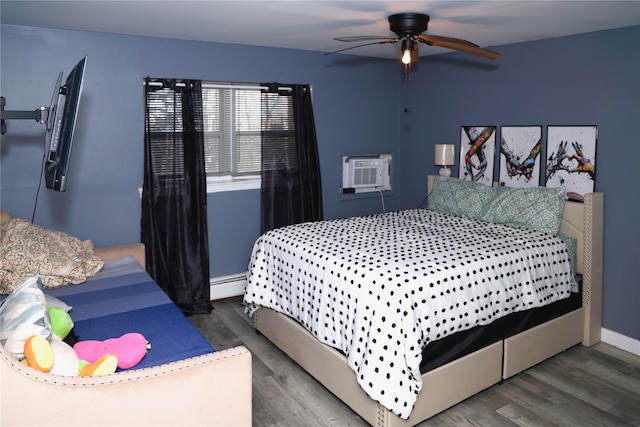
<point>442,387</point>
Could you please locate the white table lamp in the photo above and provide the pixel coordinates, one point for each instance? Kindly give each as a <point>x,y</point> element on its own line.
<point>444,155</point>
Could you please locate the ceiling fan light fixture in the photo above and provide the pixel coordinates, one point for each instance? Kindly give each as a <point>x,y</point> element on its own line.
<point>407,48</point>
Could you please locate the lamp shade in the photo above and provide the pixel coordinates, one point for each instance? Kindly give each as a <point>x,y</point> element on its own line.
<point>444,154</point>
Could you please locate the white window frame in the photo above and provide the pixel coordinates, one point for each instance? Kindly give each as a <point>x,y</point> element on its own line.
<point>217,184</point>
<point>221,184</point>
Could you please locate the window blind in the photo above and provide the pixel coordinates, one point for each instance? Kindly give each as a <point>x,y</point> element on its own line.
<point>238,117</point>
<point>164,127</point>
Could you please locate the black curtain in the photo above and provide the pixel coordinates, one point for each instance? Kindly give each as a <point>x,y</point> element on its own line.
<point>174,209</point>
<point>291,189</point>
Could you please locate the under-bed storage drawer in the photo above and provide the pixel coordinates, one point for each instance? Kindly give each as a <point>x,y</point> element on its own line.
<point>449,384</point>
<point>531,347</point>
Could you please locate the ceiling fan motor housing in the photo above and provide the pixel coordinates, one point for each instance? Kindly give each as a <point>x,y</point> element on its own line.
<point>408,28</point>
<point>411,24</point>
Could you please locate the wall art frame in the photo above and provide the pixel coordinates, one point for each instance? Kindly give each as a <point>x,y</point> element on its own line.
<point>520,148</point>
<point>571,159</point>
<point>477,148</point>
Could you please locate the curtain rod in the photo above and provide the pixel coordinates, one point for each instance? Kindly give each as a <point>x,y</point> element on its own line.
<point>208,85</point>
<point>213,85</point>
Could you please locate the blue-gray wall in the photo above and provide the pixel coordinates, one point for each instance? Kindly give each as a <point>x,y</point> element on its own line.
<point>102,201</point>
<point>589,79</point>
<point>359,103</point>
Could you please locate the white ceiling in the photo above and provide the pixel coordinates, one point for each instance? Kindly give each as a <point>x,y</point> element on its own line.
<point>311,25</point>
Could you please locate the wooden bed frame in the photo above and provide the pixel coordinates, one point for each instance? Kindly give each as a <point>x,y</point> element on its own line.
<point>452,383</point>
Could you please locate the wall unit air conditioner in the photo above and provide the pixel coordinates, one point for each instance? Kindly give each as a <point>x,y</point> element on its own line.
<point>361,174</point>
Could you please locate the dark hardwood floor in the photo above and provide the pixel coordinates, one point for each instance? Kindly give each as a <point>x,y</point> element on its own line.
<point>597,386</point>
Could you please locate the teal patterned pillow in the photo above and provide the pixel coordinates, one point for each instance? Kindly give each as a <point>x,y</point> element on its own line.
<point>571,242</point>
<point>466,199</point>
<point>535,208</point>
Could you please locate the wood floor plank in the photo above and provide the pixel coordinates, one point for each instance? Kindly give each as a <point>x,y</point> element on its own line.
<point>597,386</point>
<point>617,355</point>
<point>560,408</point>
<point>581,382</point>
<point>471,412</point>
<point>523,415</point>
<point>268,401</point>
<point>484,409</point>
<point>215,330</point>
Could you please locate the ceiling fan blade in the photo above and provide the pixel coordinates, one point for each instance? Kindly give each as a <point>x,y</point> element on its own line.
<point>361,45</point>
<point>457,44</point>
<point>362,38</point>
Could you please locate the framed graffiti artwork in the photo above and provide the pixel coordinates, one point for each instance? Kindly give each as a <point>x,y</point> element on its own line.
<point>571,159</point>
<point>520,148</point>
<point>477,147</point>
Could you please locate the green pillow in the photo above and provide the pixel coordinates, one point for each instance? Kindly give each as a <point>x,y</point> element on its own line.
<point>465,199</point>
<point>55,302</point>
<point>535,208</point>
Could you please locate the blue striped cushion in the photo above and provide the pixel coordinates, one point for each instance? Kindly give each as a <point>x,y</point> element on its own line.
<point>124,298</point>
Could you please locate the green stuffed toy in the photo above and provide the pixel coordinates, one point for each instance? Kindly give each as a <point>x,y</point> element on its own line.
<point>61,322</point>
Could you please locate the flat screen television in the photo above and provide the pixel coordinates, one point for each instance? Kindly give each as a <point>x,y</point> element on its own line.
<point>61,123</point>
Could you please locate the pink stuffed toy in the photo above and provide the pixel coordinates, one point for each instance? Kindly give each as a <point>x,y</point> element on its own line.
<point>129,349</point>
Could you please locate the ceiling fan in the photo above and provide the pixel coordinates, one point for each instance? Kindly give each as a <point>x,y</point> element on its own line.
<point>408,28</point>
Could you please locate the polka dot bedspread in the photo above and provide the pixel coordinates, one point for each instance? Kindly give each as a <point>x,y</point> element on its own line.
<point>381,287</point>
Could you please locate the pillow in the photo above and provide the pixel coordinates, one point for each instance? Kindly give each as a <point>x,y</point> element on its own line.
<point>59,259</point>
<point>24,314</point>
<point>466,199</point>
<point>57,303</point>
<point>535,208</point>
<point>571,242</point>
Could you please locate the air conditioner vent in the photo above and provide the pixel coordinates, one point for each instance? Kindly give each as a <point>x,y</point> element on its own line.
<point>366,173</point>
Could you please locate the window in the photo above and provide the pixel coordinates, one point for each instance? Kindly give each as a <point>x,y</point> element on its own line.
<point>237,116</point>
<point>235,120</point>
<point>232,127</point>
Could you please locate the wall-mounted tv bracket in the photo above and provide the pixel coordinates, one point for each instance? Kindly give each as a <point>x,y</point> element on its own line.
<point>39,115</point>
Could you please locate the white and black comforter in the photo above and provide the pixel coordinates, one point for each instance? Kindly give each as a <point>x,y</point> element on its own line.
<point>380,288</point>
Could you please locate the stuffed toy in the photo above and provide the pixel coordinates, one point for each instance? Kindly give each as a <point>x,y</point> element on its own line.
<point>97,357</point>
<point>38,353</point>
<point>129,349</point>
<point>61,322</point>
<point>58,358</point>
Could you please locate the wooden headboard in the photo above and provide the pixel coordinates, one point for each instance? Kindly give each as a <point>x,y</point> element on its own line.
<point>585,221</point>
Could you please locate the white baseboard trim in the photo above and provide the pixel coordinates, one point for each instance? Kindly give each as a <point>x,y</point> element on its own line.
<point>621,341</point>
<point>227,286</point>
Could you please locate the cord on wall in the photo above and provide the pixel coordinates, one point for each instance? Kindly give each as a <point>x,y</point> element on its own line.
<point>382,199</point>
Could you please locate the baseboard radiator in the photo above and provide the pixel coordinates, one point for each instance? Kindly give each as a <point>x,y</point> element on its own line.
<point>227,286</point>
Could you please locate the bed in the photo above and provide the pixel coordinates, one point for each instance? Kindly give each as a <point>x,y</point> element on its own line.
<point>343,361</point>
